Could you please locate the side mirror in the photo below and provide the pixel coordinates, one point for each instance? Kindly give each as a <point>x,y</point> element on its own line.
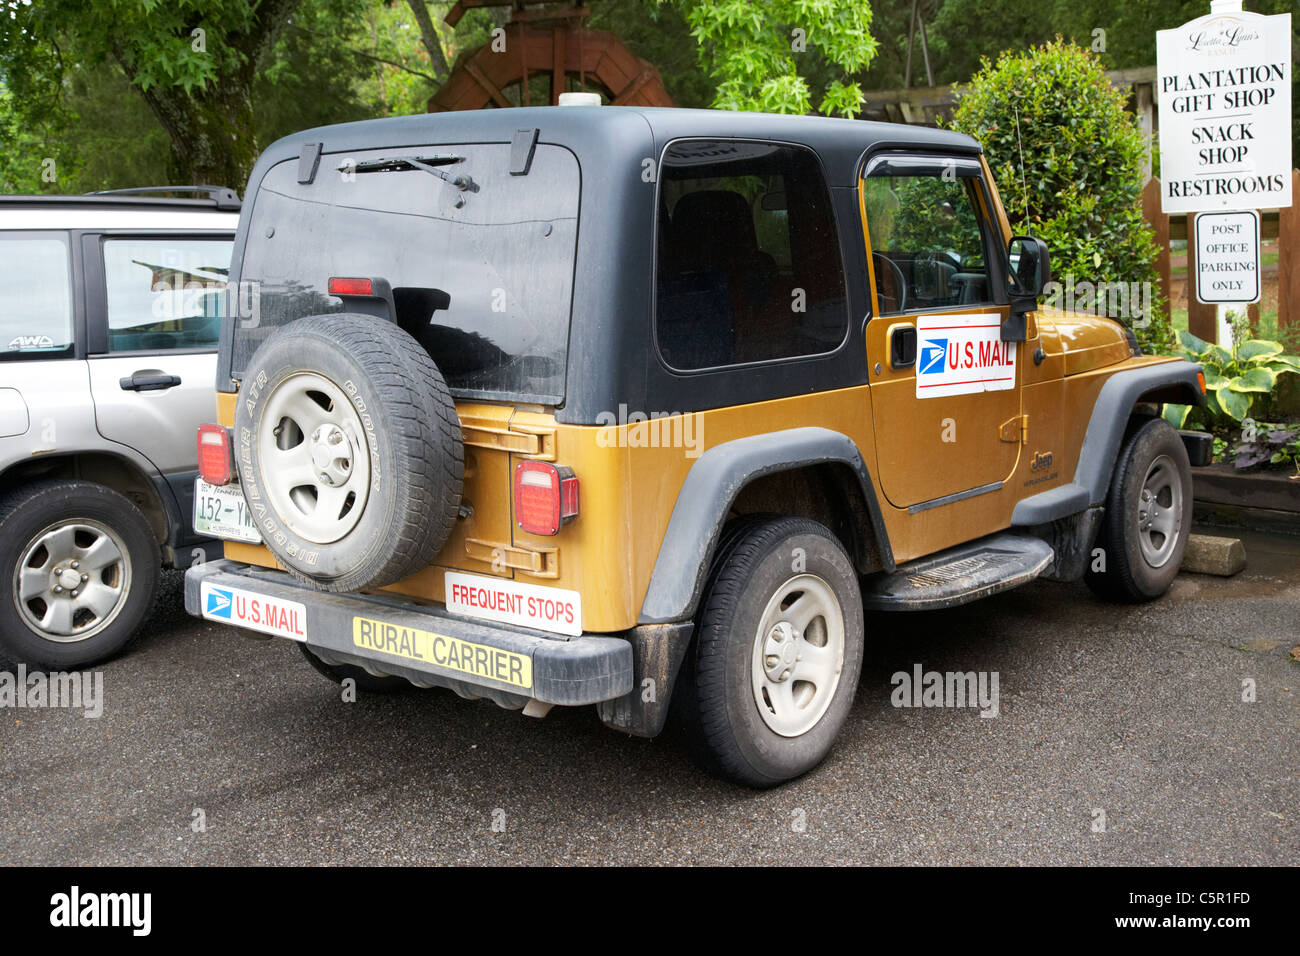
<point>1028,274</point>
<point>1031,268</point>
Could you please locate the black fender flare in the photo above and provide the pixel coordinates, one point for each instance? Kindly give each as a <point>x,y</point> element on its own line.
<point>710,489</point>
<point>1174,382</point>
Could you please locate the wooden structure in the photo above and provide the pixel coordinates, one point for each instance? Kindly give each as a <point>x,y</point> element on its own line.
<point>546,41</point>
<point>1282,225</point>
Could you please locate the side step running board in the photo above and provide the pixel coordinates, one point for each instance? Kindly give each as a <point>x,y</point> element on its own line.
<point>961,574</point>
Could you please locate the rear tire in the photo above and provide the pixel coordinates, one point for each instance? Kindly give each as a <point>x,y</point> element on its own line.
<point>774,667</point>
<point>79,570</point>
<point>1148,517</point>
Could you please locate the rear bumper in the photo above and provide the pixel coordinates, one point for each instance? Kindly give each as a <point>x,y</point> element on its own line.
<point>422,643</point>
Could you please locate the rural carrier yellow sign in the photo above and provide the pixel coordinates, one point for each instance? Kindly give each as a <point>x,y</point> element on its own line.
<point>476,660</point>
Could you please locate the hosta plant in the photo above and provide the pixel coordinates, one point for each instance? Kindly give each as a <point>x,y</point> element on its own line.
<point>1234,378</point>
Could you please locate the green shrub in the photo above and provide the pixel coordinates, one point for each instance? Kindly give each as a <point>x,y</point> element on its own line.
<point>1080,190</point>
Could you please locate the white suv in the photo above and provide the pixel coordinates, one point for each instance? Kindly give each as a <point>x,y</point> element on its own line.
<point>110,311</point>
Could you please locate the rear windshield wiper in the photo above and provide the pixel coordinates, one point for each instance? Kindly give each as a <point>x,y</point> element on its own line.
<point>427,164</point>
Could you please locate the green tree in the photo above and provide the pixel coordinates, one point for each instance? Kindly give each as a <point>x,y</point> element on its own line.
<point>193,62</point>
<point>658,33</point>
<point>755,50</point>
<point>1068,159</point>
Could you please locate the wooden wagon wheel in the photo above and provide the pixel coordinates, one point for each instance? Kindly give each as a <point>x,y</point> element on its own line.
<point>547,42</point>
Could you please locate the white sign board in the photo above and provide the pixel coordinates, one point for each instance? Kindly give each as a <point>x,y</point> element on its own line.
<point>1224,88</point>
<point>1227,257</point>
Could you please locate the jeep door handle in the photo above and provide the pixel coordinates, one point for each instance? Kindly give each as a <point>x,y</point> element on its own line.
<point>148,380</point>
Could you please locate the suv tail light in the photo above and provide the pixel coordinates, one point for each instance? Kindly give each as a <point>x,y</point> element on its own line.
<point>344,285</point>
<point>546,496</point>
<point>216,464</point>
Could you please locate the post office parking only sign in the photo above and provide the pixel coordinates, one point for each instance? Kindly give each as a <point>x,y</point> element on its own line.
<point>1227,257</point>
<point>1224,88</point>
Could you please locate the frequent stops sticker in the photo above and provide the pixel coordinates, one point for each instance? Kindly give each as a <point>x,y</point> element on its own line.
<point>548,609</point>
<point>959,354</point>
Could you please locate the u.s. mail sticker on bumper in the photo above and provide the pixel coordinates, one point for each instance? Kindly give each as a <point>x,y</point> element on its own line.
<point>959,354</point>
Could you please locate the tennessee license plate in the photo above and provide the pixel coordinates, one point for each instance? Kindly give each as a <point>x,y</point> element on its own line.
<point>221,512</point>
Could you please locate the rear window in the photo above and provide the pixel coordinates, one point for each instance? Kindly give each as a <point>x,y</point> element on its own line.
<point>35,296</point>
<point>482,276</point>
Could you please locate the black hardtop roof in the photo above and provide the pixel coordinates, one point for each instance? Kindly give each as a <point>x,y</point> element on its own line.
<point>613,288</point>
<point>605,132</point>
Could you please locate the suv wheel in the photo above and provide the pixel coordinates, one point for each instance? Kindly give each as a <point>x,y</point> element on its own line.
<point>80,567</point>
<point>777,654</point>
<point>1148,517</point>
<point>349,451</point>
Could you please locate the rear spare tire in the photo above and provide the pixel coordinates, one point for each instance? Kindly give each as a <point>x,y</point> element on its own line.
<point>349,451</point>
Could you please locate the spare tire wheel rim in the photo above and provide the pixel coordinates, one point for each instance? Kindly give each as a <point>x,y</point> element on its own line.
<point>315,458</point>
<point>72,580</point>
<point>1160,511</point>
<point>798,655</point>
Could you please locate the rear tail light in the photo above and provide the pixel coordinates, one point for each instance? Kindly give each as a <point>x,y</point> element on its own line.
<point>216,464</point>
<point>546,496</point>
<point>341,285</point>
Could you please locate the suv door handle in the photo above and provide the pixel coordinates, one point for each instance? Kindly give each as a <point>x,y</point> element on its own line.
<point>902,345</point>
<point>148,380</point>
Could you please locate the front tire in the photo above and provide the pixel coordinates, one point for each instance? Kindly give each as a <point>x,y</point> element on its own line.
<point>774,668</point>
<point>1148,517</point>
<point>80,569</point>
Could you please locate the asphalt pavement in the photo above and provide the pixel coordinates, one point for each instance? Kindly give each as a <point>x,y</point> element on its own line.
<point>1121,737</point>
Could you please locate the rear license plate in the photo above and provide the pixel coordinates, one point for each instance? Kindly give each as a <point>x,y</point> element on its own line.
<point>221,512</point>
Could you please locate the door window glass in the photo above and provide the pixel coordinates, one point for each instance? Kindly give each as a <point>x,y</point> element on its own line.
<point>165,293</point>
<point>927,244</point>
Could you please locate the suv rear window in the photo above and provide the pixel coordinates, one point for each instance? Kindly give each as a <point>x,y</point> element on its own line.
<point>486,287</point>
<point>35,295</point>
<point>749,266</point>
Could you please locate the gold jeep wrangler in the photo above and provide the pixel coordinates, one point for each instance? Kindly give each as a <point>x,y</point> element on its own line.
<point>643,408</point>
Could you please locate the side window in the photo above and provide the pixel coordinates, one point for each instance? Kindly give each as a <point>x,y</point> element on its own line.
<point>749,266</point>
<point>35,296</point>
<point>165,293</point>
<point>927,243</point>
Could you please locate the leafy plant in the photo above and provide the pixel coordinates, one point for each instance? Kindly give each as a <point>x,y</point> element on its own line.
<point>755,51</point>
<point>1269,444</point>
<point>1234,378</point>
<point>1069,160</point>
